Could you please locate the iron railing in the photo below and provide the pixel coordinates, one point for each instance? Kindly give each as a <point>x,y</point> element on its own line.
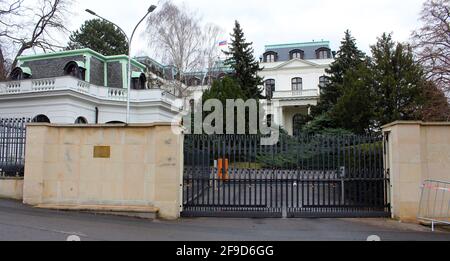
<point>12,146</point>
<point>304,176</point>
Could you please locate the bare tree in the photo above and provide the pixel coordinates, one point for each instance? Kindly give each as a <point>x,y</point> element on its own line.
<point>9,10</point>
<point>436,106</point>
<point>45,19</point>
<point>211,50</point>
<point>432,42</point>
<point>176,36</point>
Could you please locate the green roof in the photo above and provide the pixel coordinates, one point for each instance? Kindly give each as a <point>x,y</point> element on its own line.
<point>85,51</point>
<point>297,45</point>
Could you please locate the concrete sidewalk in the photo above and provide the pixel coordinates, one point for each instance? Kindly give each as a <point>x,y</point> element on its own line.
<point>19,222</point>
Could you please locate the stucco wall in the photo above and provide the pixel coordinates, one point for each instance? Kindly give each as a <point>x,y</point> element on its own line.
<point>283,76</point>
<point>11,188</point>
<point>417,151</point>
<point>144,167</point>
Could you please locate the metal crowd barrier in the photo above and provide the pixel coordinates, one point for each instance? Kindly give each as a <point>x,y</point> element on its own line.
<point>435,203</point>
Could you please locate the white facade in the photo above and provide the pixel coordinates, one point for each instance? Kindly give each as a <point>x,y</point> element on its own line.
<point>64,99</point>
<point>287,100</point>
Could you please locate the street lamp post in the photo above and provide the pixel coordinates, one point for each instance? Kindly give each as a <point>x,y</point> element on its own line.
<point>129,39</point>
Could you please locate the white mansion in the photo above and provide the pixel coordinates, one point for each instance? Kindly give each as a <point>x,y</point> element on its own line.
<point>83,86</point>
<point>293,75</point>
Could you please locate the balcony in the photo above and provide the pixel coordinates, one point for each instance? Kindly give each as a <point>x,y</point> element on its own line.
<point>302,94</point>
<point>68,83</point>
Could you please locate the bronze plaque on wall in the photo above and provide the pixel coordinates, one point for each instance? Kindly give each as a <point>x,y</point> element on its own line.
<point>103,152</point>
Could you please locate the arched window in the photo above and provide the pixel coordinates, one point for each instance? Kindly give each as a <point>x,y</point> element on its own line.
<point>297,54</point>
<point>41,118</point>
<point>297,84</point>
<point>270,57</point>
<point>270,88</point>
<point>138,81</point>
<point>20,74</point>
<point>298,121</point>
<point>81,120</point>
<point>323,53</point>
<point>73,69</point>
<point>323,81</point>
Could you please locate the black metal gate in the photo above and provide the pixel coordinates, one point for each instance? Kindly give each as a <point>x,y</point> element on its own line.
<point>12,146</point>
<point>303,176</point>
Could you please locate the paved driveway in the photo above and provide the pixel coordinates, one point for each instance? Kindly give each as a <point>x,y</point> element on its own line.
<point>19,222</point>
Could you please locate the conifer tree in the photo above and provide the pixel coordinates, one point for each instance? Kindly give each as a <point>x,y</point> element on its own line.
<point>397,81</point>
<point>100,36</point>
<point>348,57</point>
<point>245,67</point>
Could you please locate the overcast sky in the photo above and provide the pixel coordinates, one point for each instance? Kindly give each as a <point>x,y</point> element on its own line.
<point>277,21</point>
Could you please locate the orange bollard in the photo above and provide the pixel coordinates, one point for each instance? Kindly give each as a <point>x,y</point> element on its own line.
<point>226,178</point>
<point>219,168</point>
<point>222,164</point>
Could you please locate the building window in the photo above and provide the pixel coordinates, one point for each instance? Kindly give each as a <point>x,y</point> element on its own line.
<point>298,122</point>
<point>195,82</point>
<point>74,70</point>
<point>270,57</point>
<point>297,54</point>
<point>323,81</point>
<point>323,53</point>
<point>297,84</point>
<point>41,119</point>
<point>138,83</point>
<point>270,88</point>
<point>81,120</point>
<point>18,74</point>
<point>269,120</point>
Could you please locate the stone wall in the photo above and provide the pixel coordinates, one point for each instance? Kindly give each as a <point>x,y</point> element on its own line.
<point>104,165</point>
<point>417,151</point>
<point>11,188</point>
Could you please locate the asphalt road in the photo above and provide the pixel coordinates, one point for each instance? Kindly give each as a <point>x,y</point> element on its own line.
<point>19,222</point>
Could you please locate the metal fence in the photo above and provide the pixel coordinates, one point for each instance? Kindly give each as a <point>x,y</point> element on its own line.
<point>435,202</point>
<point>12,146</point>
<point>304,176</point>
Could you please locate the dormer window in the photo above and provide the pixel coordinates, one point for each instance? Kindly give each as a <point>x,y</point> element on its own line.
<point>20,73</point>
<point>75,69</point>
<point>138,81</point>
<point>297,54</point>
<point>270,57</point>
<point>323,53</point>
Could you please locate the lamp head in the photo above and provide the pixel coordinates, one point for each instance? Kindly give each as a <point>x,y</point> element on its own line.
<point>151,8</point>
<point>91,12</point>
